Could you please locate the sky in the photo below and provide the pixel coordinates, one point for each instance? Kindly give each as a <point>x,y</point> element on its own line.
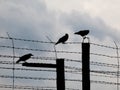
<point>36,19</point>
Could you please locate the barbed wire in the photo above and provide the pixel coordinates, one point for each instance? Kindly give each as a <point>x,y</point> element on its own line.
<point>103,64</point>
<point>54,79</point>
<point>68,71</point>
<point>74,71</point>
<point>28,87</point>
<point>105,46</point>
<point>97,54</point>
<point>32,87</point>
<point>93,63</point>
<point>106,73</point>
<point>53,58</point>
<point>101,74</point>
<point>54,42</point>
<point>19,39</point>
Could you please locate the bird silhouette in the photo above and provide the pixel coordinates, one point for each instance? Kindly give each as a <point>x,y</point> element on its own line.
<point>63,39</point>
<point>83,33</point>
<point>24,57</point>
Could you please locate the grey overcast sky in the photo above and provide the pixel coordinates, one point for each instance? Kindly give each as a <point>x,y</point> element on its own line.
<point>36,19</point>
<point>40,17</point>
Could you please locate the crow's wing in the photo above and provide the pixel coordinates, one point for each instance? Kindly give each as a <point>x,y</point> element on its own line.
<point>62,39</point>
<point>82,33</point>
<point>24,58</point>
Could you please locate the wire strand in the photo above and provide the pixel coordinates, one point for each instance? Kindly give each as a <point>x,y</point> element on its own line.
<point>54,42</point>
<point>54,79</point>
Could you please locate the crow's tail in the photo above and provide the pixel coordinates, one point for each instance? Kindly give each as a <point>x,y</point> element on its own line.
<point>76,33</point>
<point>56,43</point>
<point>18,61</point>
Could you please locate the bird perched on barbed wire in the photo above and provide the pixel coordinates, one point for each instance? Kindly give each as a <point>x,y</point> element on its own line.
<point>25,57</point>
<point>83,33</point>
<point>63,39</point>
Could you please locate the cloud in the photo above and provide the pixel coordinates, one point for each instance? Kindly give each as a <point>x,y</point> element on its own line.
<point>79,21</point>
<point>18,18</point>
<point>105,9</point>
<point>34,20</point>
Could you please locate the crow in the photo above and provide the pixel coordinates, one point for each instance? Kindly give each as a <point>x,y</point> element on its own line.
<point>83,33</point>
<point>24,57</point>
<point>63,39</point>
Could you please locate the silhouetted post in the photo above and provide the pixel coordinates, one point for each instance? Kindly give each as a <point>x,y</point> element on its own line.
<point>60,74</point>
<point>85,66</point>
